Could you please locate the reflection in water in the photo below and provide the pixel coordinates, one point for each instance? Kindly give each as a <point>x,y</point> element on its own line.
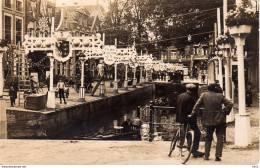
<point>103,123</point>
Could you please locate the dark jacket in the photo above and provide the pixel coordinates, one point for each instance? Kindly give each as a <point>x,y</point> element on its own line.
<point>185,103</point>
<point>212,103</point>
<point>12,93</point>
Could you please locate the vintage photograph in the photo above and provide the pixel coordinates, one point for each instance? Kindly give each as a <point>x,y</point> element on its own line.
<point>129,82</point>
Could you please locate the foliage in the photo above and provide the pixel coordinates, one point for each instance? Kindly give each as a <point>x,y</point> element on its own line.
<point>242,15</point>
<point>224,39</point>
<point>158,24</point>
<point>3,43</point>
<point>161,101</point>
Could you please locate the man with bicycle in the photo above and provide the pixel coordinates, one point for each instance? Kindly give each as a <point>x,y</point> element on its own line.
<point>213,118</point>
<point>185,103</point>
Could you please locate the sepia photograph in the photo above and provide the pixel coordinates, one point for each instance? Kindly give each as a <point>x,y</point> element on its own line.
<point>109,83</point>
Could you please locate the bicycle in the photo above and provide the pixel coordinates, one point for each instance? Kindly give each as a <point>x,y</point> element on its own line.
<point>183,138</point>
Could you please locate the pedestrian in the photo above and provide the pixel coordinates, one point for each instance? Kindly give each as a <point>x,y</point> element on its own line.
<point>61,88</point>
<point>203,77</point>
<point>249,95</point>
<point>185,103</point>
<point>13,95</point>
<point>136,124</point>
<point>213,118</point>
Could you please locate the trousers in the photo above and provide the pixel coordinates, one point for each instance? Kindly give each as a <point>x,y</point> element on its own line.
<point>61,95</point>
<point>197,134</point>
<point>220,131</point>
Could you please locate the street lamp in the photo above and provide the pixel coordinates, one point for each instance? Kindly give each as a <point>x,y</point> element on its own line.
<point>82,59</point>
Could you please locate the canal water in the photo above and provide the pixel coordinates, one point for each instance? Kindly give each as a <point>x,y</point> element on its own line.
<point>103,126</point>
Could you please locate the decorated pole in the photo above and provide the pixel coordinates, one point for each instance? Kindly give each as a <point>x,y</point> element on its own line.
<point>126,78</point>
<point>242,124</point>
<point>51,92</point>
<point>134,79</point>
<point>82,88</point>
<point>115,80</point>
<point>141,75</point>
<point>220,74</point>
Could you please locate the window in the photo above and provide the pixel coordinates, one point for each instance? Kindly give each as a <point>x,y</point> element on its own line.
<point>8,29</point>
<point>19,5</point>
<point>18,32</point>
<point>195,50</point>
<point>173,55</point>
<point>204,50</point>
<point>8,3</point>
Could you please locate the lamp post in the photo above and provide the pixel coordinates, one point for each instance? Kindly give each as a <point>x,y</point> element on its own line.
<point>51,92</point>
<point>82,59</point>
<point>226,53</point>
<point>220,74</point>
<point>115,80</point>
<point>134,79</point>
<point>126,78</point>
<point>141,75</point>
<point>242,124</point>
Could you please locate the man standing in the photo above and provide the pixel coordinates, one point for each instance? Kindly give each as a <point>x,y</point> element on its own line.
<point>61,88</point>
<point>185,104</point>
<point>213,118</point>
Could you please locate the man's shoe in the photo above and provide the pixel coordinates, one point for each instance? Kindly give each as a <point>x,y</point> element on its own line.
<point>198,154</point>
<point>206,158</point>
<point>217,159</point>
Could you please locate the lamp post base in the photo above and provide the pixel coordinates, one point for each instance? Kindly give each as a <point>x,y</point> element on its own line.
<point>115,90</point>
<point>242,130</point>
<point>126,84</point>
<point>134,83</point>
<point>82,93</point>
<point>102,89</point>
<point>51,99</point>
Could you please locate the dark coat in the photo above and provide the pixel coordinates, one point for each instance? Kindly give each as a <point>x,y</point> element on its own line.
<point>212,103</point>
<point>13,93</point>
<point>185,103</point>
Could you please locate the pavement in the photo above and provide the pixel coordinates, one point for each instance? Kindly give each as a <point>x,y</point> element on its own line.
<point>84,152</point>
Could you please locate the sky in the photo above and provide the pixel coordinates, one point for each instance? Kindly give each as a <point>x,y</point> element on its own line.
<point>104,3</point>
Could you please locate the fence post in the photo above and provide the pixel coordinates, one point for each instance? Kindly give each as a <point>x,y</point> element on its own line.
<point>151,122</point>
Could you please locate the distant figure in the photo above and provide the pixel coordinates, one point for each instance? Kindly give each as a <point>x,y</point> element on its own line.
<point>101,69</point>
<point>61,88</point>
<point>249,95</point>
<point>203,77</point>
<point>13,95</point>
<point>127,125</point>
<point>137,123</point>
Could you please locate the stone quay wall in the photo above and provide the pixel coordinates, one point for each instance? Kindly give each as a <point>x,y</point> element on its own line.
<point>29,124</point>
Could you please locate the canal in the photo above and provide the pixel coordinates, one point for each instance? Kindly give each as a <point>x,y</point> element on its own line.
<point>102,127</point>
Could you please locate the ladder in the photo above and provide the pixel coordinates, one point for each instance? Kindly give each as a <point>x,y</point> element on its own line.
<point>24,83</point>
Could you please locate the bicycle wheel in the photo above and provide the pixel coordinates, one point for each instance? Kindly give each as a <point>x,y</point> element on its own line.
<point>174,141</point>
<point>186,146</point>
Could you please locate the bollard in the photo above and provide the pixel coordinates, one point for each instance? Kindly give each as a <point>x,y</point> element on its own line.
<point>151,122</point>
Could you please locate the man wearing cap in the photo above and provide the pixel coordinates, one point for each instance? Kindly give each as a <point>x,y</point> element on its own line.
<point>185,103</point>
<point>213,118</point>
